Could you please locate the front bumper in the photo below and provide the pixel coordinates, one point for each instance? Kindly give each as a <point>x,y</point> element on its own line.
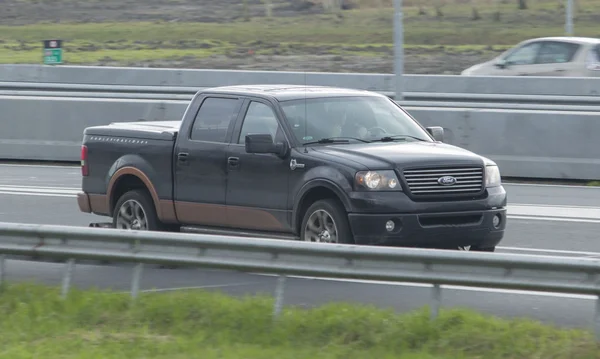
<point>430,230</point>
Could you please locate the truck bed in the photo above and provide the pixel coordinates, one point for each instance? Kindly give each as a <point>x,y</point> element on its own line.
<point>154,130</point>
<point>143,145</point>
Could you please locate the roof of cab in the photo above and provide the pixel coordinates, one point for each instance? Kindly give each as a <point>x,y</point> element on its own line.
<point>284,92</point>
<point>573,39</point>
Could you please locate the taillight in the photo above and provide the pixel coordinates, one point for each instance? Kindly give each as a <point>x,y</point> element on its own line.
<point>84,165</point>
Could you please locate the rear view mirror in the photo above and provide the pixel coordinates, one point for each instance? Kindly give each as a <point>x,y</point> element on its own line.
<point>436,132</point>
<point>263,143</point>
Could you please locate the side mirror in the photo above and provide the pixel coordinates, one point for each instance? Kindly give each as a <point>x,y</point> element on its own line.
<point>502,64</point>
<point>263,143</point>
<point>436,132</point>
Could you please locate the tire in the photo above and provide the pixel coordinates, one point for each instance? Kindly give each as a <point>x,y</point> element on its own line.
<point>144,218</point>
<point>144,201</point>
<point>335,212</point>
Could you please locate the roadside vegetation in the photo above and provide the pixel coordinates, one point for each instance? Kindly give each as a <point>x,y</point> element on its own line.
<point>442,36</point>
<point>171,325</point>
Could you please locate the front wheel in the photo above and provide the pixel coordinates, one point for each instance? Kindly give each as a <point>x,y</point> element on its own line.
<point>326,221</point>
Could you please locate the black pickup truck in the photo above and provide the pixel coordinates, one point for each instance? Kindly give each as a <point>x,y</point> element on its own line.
<point>300,162</point>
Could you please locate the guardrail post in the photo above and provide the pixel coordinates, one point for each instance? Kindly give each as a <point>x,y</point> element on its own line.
<point>436,301</point>
<point>137,273</point>
<point>597,319</point>
<point>67,274</point>
<point>2,270</point>
<point>279,291</point>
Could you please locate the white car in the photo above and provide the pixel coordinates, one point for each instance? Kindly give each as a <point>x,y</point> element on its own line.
<point>546,56</point>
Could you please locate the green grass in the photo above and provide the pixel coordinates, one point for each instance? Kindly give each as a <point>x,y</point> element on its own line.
<point>364,31</point>
<point>195,324</point>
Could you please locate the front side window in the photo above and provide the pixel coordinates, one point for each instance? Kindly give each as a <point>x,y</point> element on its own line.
<point>260,119</point>
<point>364,118</point>
<point>524,55</point>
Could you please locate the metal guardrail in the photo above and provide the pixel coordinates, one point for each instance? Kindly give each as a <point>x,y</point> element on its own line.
<point>284,257</point>
<point>414,99</point>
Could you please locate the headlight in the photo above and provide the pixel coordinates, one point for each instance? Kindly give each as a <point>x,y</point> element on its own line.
<point>492,176</point>
<point>378,180</point>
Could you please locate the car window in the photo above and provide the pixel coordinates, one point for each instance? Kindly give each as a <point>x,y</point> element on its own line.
<point>592,60</point>
<point>260,119</point>
<point>214,118</point>
<point>524,55</point>
<point>557,52</point>
<point>362,117</point>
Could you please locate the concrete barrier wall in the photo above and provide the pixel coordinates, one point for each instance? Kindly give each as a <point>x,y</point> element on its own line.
<point>540,144</point>
<point>519,85</point>
<point>51,129</point>
<point>525,144</point>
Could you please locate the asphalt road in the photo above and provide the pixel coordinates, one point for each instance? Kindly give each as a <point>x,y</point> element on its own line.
<point>543,219</point>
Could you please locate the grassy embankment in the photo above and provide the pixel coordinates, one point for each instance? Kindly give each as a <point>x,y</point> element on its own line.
<point>92,324</point>
<point>366,31</point>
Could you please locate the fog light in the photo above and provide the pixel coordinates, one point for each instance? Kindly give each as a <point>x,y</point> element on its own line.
<point>390,225</point>
<point>496,221</point>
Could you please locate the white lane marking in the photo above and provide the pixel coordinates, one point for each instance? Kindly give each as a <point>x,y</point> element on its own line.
<point>158,290</point>
<point>508,184</point>
<point>558,251</point>
<point>554,219</point>
<point>454,287</point>
<point>41,187</point>
<point>38,166</point>
<point>46,190</point>
<point>545,211</point>
<point>38,194</point>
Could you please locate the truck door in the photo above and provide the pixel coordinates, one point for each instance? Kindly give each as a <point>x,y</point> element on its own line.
<point>200,167</point>
<point>257,188</point>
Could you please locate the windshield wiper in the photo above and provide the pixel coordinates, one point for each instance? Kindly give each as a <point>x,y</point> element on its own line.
<point>397,137</point>
<point>335,140</point>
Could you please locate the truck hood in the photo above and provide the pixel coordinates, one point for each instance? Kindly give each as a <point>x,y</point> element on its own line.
<point>402,154</point>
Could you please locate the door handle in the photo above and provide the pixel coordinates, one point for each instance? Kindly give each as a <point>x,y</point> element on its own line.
<point>182,156</point>
<point>233,161</point>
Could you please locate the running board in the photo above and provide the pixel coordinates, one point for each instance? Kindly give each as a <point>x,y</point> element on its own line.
<point>240,233</point>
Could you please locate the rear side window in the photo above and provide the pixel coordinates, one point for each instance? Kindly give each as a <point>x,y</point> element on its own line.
<point>592,60</point>
<point>557,52</point>
<point>214,118</point>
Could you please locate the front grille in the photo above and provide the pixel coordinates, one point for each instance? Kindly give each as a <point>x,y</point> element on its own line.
<point>425,182</point>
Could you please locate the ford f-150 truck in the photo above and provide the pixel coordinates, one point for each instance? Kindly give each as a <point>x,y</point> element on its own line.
<point>309,163</point>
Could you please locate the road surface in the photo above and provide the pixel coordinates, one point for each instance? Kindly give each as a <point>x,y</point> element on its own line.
<point>543,219</point>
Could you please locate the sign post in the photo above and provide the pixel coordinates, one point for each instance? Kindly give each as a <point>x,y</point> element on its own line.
<point>398,50</point>
<point>53,52</point>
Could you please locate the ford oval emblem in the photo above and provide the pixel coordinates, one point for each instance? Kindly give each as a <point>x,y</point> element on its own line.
<point>446,181</point>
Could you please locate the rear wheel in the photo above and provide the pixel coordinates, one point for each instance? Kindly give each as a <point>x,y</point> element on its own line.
<point>135,211</point>
<point>326,221</point>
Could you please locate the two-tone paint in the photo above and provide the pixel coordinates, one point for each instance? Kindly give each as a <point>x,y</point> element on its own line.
<point>269,193</point>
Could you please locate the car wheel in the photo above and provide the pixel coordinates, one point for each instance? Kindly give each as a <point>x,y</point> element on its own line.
<point>326,221</point>
<point>135,210</point>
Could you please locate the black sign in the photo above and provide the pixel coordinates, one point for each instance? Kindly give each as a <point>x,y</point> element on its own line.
<point>52,44</point>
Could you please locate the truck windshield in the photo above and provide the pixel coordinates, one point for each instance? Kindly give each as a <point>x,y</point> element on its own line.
<point>363,118</point>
